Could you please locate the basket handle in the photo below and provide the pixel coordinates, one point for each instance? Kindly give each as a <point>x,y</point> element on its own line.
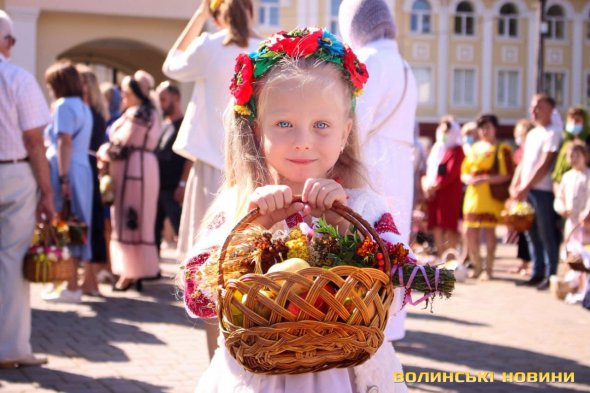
<point>347,213</point>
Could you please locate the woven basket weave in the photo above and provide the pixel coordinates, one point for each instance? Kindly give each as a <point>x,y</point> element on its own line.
<point>36,270</point>
<point>519,223</point>
<point>270,339</point>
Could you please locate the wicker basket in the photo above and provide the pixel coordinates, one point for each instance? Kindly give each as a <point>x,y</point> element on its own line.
<point>345,331</point>
<point>516,222</point>
<point>37,267</point>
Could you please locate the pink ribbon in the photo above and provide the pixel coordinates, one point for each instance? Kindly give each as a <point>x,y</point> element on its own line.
<point>408,296</point>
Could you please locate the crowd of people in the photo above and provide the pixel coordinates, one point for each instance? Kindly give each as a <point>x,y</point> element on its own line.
<point>282,138</point>
<point>471,177</point>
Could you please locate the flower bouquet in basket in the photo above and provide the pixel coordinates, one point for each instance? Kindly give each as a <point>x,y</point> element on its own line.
<point>48,259</point>
<point>307,300</point>
<point>518,216</point>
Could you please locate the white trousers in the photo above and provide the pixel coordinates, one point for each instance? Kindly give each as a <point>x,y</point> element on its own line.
<point>18,201</point>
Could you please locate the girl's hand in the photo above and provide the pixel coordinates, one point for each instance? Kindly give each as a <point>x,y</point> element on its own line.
<point>274,204</point>
<point>319,195</point>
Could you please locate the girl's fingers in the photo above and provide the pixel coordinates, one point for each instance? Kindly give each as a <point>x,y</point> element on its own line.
<point>312,197</point>
<point>287,196</point>
<point>270,203</point>
<point>262,205</point>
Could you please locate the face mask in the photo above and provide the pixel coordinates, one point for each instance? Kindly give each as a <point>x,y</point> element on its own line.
<point>469,140</point>
<point>573,128</point>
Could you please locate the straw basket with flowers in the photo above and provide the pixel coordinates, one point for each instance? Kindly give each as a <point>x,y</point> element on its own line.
<point>48,259</point>
<point>307,300</point>
<point>518,216</point>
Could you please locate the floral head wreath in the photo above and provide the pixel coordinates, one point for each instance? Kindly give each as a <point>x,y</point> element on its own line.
<point>299,43</point>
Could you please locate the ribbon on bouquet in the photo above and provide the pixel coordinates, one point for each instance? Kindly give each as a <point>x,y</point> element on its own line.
<point>42,266</point>
<point>408,296</point>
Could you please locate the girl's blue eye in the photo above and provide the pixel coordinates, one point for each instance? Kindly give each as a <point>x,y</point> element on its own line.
<point>284,124</point>
<point>321,124</point>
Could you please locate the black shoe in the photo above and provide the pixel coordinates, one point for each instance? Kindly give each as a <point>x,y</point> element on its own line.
<point>543,285</point>
<point>532,282</point>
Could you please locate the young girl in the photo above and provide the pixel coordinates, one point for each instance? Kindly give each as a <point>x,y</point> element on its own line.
<point>571,202</point>
<point>291,132</point>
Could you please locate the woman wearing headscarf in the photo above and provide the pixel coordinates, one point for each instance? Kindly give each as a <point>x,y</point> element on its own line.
<point>442,185</point>
<point>489,162</point>
<point>386,114</point>
<point>577,130</point>
<point>132,165</point>
<point>206,59</point>
<point>387,108</point>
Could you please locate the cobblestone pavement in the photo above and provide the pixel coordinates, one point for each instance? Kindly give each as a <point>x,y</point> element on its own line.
<point>131,342</point>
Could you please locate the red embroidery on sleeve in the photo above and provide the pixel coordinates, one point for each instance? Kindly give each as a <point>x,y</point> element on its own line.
<point>195,300</point>
<point>294,220</point>
<point>217,221</point>
<point>386,224</point>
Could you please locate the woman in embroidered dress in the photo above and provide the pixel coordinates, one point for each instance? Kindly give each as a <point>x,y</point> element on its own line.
<point>132,165</point>
<point>291,131</point>
<point>480,210</point>
<point>442,185</point>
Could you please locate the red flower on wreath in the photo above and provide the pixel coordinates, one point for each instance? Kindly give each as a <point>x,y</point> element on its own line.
<point>298,45</point>
<point>356,69</point>
<point>241,83</point>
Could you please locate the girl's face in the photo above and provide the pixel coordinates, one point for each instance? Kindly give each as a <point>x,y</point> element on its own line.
<point>487,132</point>
<point>577,160</point>
<point>303,125</point>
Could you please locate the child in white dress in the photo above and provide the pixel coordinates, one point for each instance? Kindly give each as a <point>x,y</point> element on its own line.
<point>572,203</point>
<point>291,131</point>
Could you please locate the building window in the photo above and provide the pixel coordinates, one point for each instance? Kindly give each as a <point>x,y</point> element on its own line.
<point>555,23</point>
<point>554,85</point>
<point>588,89</point>
<point>423,76</point>
<point>333,22</point>
<point>508,22</point>
<point>464,19</point>
<point>268,13</point>
<point>464,87</point>
<point>508,89</point>
<point>420,17</point>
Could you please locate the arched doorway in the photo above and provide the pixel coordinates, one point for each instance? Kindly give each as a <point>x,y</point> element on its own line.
<point>114,58</point>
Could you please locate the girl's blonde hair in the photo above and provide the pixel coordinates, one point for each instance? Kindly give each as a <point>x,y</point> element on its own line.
<point>96,99</point>
<point>245,164</point>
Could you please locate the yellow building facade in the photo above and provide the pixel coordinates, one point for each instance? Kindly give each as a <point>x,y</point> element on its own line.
<point>469,56</point>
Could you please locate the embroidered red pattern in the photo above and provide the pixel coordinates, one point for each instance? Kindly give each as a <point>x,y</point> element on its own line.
<point>294,220</point>
<point>195,300</point>
<point>217,221</point>
<point>386,224</point>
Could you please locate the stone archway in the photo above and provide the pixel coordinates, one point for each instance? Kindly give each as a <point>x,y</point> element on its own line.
<point>124,56</point>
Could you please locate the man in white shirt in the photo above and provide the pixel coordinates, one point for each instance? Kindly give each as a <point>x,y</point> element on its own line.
<point>23,170</point>
<point>533,182</point>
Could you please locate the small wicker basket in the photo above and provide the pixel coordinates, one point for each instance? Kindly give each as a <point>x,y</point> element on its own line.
<point>38,266</point>
<point>518,222</point>
<point>269,339</point>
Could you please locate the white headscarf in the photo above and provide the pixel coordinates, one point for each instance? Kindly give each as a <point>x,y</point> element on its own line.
<point>443,143</point>
<point>365,21</point>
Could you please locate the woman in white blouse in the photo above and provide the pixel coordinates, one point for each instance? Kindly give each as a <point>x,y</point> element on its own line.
<point>207,59</point>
